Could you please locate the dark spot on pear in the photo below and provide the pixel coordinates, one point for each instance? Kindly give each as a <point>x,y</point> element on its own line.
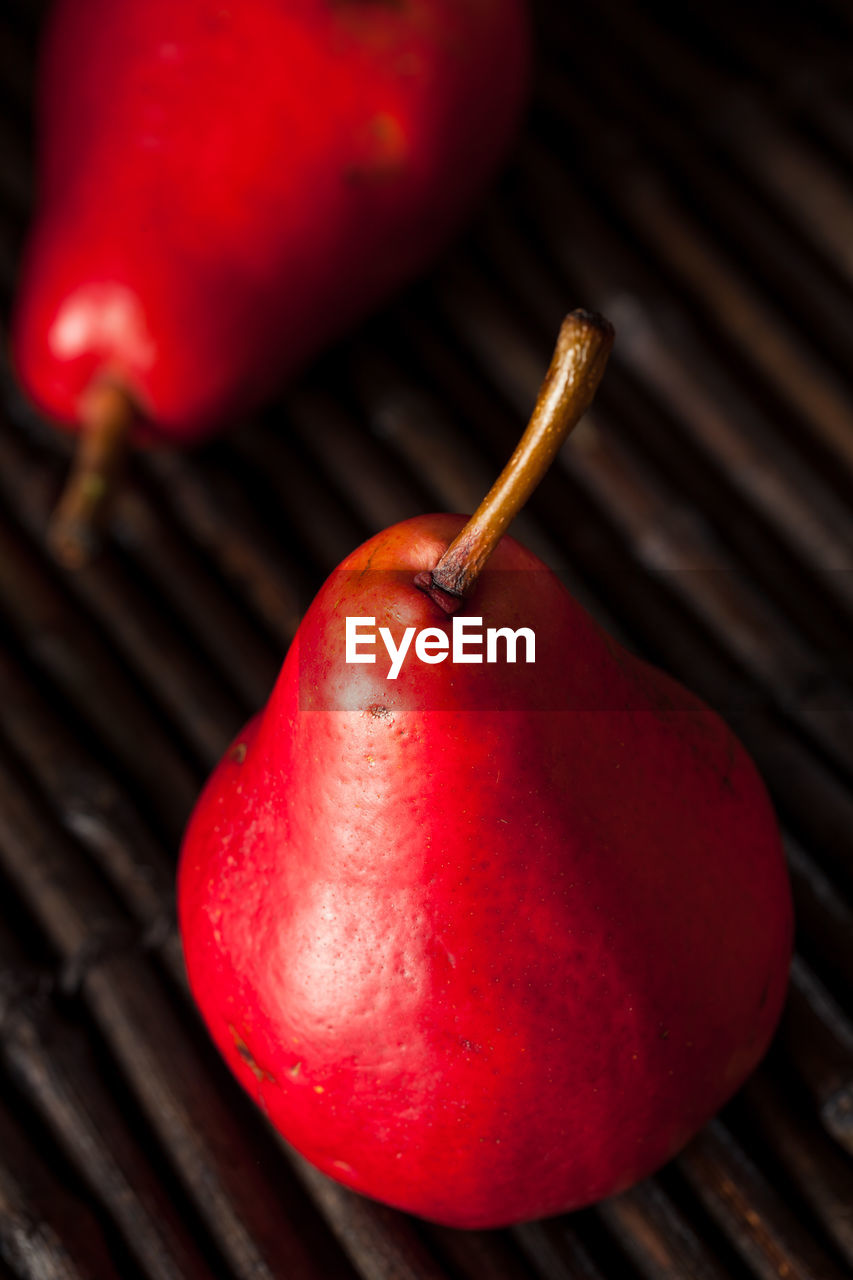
<point>369,563</point>
<point>379,712</point>
<point>238,753</point>
<point>730,764</point>
<point>260,1073</point>
<point>366,4</point>
<point>664,1035</point>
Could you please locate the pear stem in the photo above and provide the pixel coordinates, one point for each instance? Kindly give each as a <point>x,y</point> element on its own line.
<point>576,368</point>
<point>107,414</point>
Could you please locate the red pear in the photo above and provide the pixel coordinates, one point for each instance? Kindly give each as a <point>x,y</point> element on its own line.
<point>223,188</point>
<point>487,940</point>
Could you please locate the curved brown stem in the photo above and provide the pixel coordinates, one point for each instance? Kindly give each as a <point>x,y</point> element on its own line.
<point>578,362</point>
<point>107,415</point>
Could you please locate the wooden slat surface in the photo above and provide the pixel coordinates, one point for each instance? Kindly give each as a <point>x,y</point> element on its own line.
<point>691,175</point>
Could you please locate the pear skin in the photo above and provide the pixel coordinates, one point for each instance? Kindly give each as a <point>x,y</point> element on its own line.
<point>486,942</point>
<point>223,189</point>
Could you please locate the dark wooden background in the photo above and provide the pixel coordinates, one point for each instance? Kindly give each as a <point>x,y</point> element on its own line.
<point>690,175</point>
